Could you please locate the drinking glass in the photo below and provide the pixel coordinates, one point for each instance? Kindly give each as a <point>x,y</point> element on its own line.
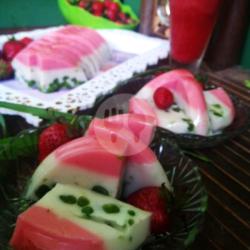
<point>192,23</point>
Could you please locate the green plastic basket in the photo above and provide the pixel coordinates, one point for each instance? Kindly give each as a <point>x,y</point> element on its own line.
<point>76,15</point>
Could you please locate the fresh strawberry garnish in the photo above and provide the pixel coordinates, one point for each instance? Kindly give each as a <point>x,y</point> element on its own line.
<point>26,40</point>
<point>114,7</point>
<point>122,17</point>
<point>83,4</point>
<point>163,98</point>
<point>52,137</point>
<point>111,14</point>
<point>11,48</point>
<point>151,199</point>
<point>98,7</point>
<point>6,71</point>
<point>97,13</point>
<point>107,3</point>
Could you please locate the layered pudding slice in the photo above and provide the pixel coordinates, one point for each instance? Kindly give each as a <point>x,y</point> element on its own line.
<point>111,134</point>
<point>70,218</point>
<point>220,109</point>
<point>64,58</point>
<point>188,115</point>
<point>142,126</point>
<point>144,170</point>
<point>82,162</point>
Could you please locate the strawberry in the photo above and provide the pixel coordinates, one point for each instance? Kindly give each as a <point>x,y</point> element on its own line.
<point>107,3</point>
<point>114,7</point>
<point>26,40</point>
<point>52,137</point>
<point>11,48</point>
<point>151,199</point>
<point>98,7</point>
<point>82,4</point>
<point>122,17</point>
<point>111,15</point>
<point>6,71</point>
<point>163,98</point>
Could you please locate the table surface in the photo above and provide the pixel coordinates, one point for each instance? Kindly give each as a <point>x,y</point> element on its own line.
<point>226,179</point>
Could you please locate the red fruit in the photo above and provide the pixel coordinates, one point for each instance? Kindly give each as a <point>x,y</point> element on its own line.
<point>6,70</point>
<point>11,48</point>
<point>97,13</point>
<point>163,98</point>
<point>26,40</point>
<point>82,4</point>
<point>114,6</point>
<point>107,3</point>
<point>150,199</point>
<point>98,7</point>
<point>111,14</point>
<point>51,138</point>
<point>122,17</point>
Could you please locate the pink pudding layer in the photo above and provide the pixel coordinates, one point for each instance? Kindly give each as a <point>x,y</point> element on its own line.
<point>61,49</point>
<point>187,92</point>
<point>142,126</point>
<point>39,228</point>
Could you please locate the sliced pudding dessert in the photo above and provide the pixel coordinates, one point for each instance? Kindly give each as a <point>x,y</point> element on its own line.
<point>64,58</point>
<point>142,168</point>
<point>220,109</point>
<point>82,162</point>
<point>142,126</point>
<point>178,103</point>
<point>72,218</point>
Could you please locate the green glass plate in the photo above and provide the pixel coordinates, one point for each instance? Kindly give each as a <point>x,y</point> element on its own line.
<point>190,198</point>
<point>188,141</point>
<point>189,202</point>
<point>76,15</point>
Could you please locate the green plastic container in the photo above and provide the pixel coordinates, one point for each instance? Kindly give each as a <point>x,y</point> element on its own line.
<point>76,15</point>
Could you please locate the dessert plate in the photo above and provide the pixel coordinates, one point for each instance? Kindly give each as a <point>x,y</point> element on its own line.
<point>125,62</point>
<point>188,141</point>
<point>189,201</point>
<point>190,198</point>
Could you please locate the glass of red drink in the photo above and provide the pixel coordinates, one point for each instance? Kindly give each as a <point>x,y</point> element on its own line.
<point>192,23</point>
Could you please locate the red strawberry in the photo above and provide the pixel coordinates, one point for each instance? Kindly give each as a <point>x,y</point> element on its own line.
<point>98,7</point>
<point>111,14</point>
<point>26,40</point>
<point>163,98</point>
<point>97,13</point>
<point>151,199</point>
<point>114,6</point>
<point>52,137</point>
<point>107,3</point>
<point>11,48</point>
<point>83,4</point>
<point>122,17</point>
<point>6,70</point>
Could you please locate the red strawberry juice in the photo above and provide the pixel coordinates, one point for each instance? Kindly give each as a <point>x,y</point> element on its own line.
<point>192,22</point>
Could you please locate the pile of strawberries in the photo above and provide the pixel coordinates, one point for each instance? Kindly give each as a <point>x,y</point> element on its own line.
<point>107,9</point>
<point>9,51</point>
